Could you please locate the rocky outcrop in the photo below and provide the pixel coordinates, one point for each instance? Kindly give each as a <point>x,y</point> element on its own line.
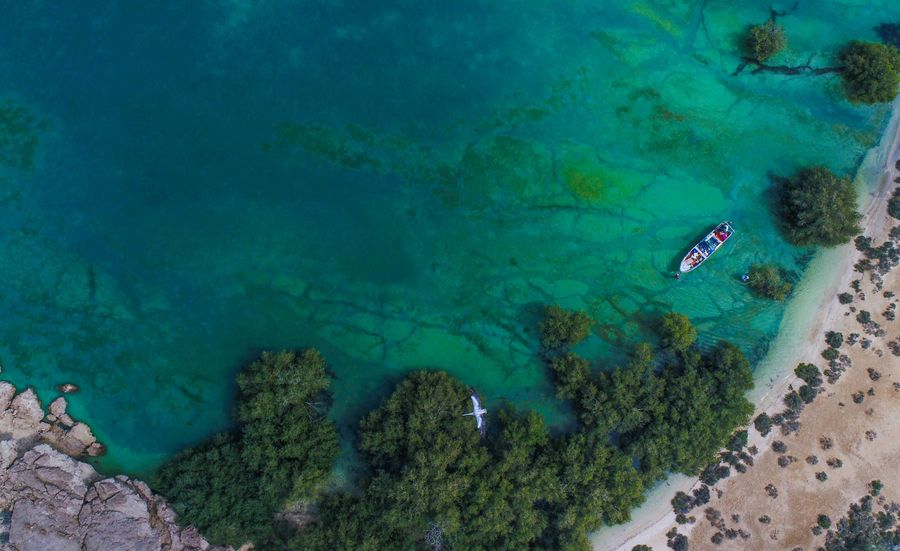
<point>22,418</point>
<point>50,501</point>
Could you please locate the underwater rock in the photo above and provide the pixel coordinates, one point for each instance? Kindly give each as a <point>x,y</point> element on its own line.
<point>67,388</point>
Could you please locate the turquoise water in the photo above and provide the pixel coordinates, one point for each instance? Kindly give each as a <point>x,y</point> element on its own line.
<point>401,185</point>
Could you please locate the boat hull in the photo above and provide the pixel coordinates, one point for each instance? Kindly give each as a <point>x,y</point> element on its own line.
<point>705,248</point>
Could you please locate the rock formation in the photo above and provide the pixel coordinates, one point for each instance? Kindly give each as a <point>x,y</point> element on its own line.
<point>50,501</point>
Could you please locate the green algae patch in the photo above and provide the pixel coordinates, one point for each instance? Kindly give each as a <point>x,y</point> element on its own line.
<point>592,180</point>
<point>19,134</point>
<point>657,17</point>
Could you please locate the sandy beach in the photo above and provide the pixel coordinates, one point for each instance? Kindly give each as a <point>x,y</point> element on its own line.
<point>801,497</point>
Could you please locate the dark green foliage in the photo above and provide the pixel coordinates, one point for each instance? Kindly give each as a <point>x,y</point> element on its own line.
<point>678,543</point>
<point>670,419</point>
<point>779,447</point>
<point>285,435</point>
<point>210,488</point>
<point>231,486</point>
<point>809,373</point>
<point>516,489</point>
<point>763,423</point>
<point>713,473</point>
<point>875,487</point>
<point>519,487</point>
<point>561,327</point>
<point>893,207</point>
<point>807,394</point>
<point>764,41</point>
<point>738,441</point>
<point>819,208</point>
<point>863,317</point>
<point>682,503</point>
<point>821,476</point>
<point>871,72</point>
<point>676,331</point>
<point>768,281</point>
<point>571,373</point>
<point>792,400</point>
<point>641,548</point>
<point>863,530</point>
<point>845,298</point>
<point>830,354</point>
<point>834,339</point>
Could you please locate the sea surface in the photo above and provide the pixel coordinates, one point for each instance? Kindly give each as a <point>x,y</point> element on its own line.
<point>402,184</point>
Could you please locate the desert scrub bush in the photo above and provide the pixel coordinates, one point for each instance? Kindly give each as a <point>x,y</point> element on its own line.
<point>763,423</point>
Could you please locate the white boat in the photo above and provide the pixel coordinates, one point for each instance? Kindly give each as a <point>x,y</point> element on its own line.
<point>706,247</point>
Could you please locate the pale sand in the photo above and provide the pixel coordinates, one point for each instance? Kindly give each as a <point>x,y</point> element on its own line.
<point>744,494</point>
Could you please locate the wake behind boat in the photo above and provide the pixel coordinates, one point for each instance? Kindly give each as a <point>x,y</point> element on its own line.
<point>706,247</point>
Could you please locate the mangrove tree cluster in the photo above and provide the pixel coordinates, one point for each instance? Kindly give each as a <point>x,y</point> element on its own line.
<point>819,208</point>
<point>431,481</point>
<point>281,451</point>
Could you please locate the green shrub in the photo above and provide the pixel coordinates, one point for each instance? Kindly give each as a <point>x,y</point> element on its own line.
<point>893,207</point>
<point>807,394</point>
<point>845,298</point>
<point>763,423</point>
<point>871,72</point>
<point>830,354</point>
<point>834,339</point>
<point>676,331</point>
<point>875,487</point>
<point>809,373</point>
<point>767,280</point>
<point>764,41</point>
<point>819,208</point>
<point>865,530</point>
<point>231,486</point>
<point>561,327</point>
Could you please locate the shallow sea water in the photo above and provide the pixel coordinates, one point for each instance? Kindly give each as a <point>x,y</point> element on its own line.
<point>401,185</point>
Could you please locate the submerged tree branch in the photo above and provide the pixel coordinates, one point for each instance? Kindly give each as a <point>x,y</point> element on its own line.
<point>785,69</point>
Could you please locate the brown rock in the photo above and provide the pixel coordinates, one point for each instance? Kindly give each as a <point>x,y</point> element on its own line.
<point>7,391</point>
<point>58,407</point>
<point>67,388</point>
<point>96,449</point>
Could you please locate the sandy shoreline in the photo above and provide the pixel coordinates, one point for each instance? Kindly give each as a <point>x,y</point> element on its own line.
<point>775,373</point>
